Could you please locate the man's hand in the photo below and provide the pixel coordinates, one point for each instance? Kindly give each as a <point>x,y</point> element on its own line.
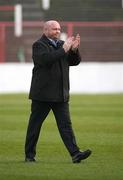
<point>68,44</point>
<point>76,43</point>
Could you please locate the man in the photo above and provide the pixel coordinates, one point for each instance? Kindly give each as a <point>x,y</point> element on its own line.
<point>50,89</point>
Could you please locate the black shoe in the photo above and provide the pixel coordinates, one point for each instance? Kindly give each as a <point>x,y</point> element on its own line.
<point>81,156</point>
<point>30,160</point>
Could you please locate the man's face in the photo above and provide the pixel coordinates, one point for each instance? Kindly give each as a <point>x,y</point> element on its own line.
<point>54,30</point>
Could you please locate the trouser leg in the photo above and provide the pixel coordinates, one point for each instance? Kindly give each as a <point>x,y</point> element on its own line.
<point>39,111</point>
<point>62,115</point>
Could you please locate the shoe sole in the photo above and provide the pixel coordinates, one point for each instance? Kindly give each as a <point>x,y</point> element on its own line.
<point>30,160</point>
<point>81,157</point>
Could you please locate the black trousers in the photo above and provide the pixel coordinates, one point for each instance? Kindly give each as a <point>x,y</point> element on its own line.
<point>39,111</point>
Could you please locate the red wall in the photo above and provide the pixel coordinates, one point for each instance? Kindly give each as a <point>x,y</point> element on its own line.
<point>2,44</point>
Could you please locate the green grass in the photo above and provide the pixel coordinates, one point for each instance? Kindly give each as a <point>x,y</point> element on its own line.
<point>98,124</point>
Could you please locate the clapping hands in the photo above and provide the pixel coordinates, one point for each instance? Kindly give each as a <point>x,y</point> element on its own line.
<point>72,43</point>
<point>76,43</point>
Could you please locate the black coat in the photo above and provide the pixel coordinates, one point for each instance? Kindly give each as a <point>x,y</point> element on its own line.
<point>50,78</point>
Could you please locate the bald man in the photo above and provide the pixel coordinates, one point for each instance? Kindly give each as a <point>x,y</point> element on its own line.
<point>50,89</point>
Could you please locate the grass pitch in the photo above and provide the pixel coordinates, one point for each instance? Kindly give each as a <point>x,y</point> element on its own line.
<point>98,124</point>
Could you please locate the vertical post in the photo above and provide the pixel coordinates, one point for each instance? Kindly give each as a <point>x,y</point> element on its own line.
<point>45,4</point>
<point>18,20</point>
<point>2,43</point>
<point>70,29</point>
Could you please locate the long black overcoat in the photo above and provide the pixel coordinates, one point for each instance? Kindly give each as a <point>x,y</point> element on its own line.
<point>50,76</point>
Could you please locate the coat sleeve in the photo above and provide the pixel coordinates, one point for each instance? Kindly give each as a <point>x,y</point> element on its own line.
<point>74,58</point>
<point>42,55</point>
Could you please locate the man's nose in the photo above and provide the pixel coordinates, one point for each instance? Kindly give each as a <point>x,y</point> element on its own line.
<point>58,31</point>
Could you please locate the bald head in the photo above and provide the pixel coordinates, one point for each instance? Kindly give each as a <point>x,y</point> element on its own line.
<point>50,23</point>
<point>52,29</point>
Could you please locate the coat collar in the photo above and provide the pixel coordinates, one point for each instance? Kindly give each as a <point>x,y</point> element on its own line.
<point>47,41</point>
